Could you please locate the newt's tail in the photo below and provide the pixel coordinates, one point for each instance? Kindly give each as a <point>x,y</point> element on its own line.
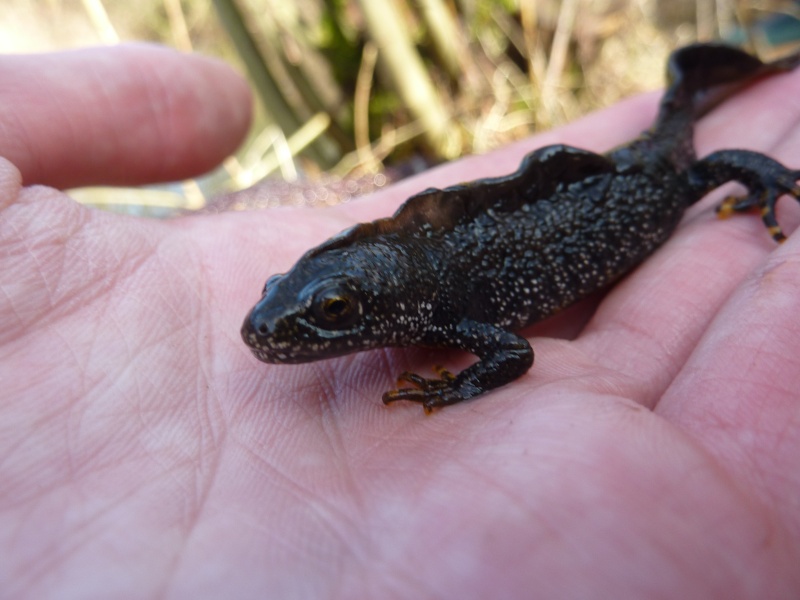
<point>703,75</point>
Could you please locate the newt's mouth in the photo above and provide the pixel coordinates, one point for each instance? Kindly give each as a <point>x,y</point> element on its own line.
<point>268,353</point>
<point>275,351</point>
<point>270,357</point>
<point>263,349</point>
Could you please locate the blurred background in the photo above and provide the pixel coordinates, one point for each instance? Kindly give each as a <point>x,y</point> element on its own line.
<point>354,94</point>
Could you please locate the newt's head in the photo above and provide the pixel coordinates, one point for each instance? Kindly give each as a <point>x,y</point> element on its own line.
<point>332,303</point>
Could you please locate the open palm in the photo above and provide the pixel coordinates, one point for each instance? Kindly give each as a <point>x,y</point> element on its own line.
<point>653,451</point>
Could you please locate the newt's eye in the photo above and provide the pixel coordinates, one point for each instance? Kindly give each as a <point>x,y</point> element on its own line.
<point>335,306</point>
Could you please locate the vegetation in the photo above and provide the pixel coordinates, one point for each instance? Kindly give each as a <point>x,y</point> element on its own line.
<point>348,86</point>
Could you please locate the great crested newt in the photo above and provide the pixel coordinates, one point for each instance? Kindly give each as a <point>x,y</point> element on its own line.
<point>466,266</point>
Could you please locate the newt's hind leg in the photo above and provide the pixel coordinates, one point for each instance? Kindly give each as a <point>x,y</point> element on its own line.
<point>766,179</point>
<point>763,203</point>
<point>737,204</point>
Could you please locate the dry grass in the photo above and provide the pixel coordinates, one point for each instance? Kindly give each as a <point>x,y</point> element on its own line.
<point>491,73</point>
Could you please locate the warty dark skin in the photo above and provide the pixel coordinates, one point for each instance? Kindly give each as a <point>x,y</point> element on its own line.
<point>467,266</point>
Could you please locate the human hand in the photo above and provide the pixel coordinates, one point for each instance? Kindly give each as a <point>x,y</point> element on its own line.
<point>147,453</point>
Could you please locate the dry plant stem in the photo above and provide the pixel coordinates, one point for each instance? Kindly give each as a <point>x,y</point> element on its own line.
<point>102,24</point>
<point>405,69</point>
<point>366,72</point>
<point>446,35</point>
<point>537,63</point>
<point>177,25</point>
<point>558,57</point>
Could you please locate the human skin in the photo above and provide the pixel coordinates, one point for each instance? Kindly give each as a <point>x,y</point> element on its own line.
<point>653,450</point>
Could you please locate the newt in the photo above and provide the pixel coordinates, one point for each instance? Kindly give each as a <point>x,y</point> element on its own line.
<point>467,266</point>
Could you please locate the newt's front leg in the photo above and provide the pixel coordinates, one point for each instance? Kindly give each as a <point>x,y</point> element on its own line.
<point>503,357</point>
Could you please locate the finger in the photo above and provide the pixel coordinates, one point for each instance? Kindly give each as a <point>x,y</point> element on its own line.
<point>737,393</point>
<point>120,115</point>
